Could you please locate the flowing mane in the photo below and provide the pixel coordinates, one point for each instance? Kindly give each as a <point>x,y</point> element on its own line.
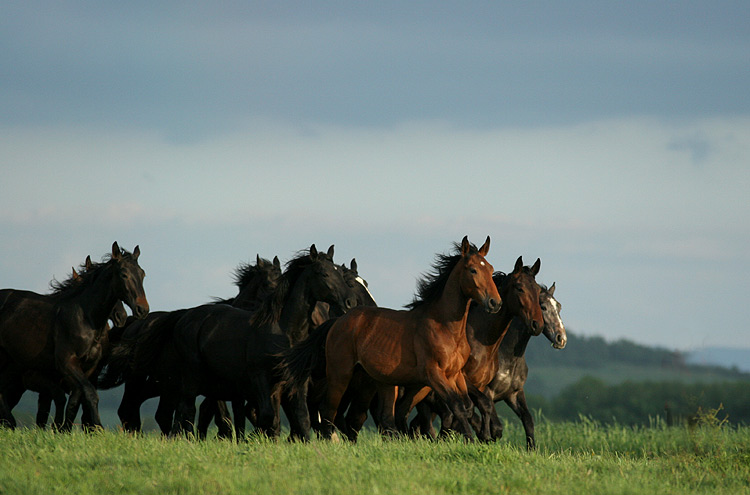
<point>431,285</point>
<point>245,272</point>
<point>270,309</point>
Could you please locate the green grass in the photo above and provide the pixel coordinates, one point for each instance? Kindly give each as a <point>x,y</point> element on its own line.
<point>582,457</point>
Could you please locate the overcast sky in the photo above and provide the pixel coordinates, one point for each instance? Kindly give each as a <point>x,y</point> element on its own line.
<point>609,139</point>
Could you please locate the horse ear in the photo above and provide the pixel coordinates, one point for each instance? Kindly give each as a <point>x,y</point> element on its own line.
<point>465,245</point>
<point>258,261</point>
<point>88,263</point>
<point>551,290</point>
<point>330,251</point>
<point>116,251</point>
<point>519,264</point>
<point>75,274</point>
<point>353,265</point>
<point>485,247</point>
<point>536,267</point>
<point>276,262</point>
<point>313,252</point>
<point>136,252</point>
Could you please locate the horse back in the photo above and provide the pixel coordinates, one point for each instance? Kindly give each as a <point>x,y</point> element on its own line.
<point>385,342</point>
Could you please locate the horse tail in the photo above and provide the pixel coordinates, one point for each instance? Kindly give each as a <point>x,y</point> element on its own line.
<point>138,349</point>
<point>118,365</point>
<point>306,358</point>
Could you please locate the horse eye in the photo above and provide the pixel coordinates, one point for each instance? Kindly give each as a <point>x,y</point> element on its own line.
<point>544,308</point>
<point>473,270</point>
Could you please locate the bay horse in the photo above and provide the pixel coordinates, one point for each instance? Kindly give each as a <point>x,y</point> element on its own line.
<point>58,335</point>
<point>509,380</point>
<point>145,361</point>
<point>485,334</point>
<point>227,353</point>
<point>421,348</point>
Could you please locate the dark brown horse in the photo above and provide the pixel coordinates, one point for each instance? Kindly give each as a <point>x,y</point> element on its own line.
<point>421,348</point>
<point>508,383</point>
<point>59,335</point>
<point>485,334</point>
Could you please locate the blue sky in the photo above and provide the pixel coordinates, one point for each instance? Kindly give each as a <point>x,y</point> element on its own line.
<point>609,139</point>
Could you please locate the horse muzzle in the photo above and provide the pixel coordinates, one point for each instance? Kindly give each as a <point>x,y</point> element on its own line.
<point>492,305</point>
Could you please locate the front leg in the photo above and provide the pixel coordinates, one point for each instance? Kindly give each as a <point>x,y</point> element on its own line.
<point>517,402</point>
<point>482,423</point>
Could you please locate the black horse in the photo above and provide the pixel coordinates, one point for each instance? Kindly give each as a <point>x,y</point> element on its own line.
<point>58,336</point>
<point>49,392</point>
<point>144,359</point>
<point>227,353</point>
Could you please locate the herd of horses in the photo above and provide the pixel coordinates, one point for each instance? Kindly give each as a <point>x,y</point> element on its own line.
<point>307,339</point>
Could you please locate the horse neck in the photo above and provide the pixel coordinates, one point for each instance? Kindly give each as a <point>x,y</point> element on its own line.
<point>496,332</point>
<point>515,341</point>
<point>452,307</point>
<point>247,297</point>
<point>296,308</point>
<point>97,298</point>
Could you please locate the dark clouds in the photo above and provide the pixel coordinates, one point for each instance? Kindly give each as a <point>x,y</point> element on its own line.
<point>193,70</point>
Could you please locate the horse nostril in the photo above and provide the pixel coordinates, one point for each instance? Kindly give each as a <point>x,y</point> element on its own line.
<point>559,339</point>
<point>350,303</point>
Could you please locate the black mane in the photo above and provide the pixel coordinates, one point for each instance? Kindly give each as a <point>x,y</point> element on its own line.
<point>245,272</point>
<point>87,273</point>
<point>270,309</point>
<point>431,286</point>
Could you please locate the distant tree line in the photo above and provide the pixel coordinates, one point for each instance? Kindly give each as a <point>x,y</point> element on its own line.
<point>631,403</point>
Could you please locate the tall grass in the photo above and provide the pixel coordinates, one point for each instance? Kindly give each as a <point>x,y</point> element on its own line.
<point>572,458</point>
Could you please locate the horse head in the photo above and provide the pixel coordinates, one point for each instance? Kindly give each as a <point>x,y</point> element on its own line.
<point>520,294</point>
<point>325,282</point>
<point>129,280</point>
<point>476,276</point>
<point>554,329</point>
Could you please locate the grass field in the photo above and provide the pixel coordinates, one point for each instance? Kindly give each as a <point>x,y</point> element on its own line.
<point>581,457</point>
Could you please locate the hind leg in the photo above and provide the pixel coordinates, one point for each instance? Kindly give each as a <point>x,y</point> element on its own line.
<point>338,380</point>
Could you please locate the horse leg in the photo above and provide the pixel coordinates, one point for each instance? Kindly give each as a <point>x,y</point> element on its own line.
<point>295,407</point>
<point>223,420</point>
<point>10,393</point>
<point>454,394</point>
<point>72,372</point>
<point>166,412</point>
<point>411,397</point>
<point>387,395</point>
<point>517,402</point>
<point>260,393</point>
<point>338,377</point>
<point>422,423</point>
<point>206,413</point>
<point>361,397</point>
<point>483,423</point>
<point>239,412</point>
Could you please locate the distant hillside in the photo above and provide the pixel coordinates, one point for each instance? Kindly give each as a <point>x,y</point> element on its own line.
<point>550,369</point>
<point>721,356</point>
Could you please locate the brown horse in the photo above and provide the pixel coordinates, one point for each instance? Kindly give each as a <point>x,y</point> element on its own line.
<point>421,348</point>
<point>485,333</point>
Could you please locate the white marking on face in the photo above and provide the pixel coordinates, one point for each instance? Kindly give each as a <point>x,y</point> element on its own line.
<point>481,263</point>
